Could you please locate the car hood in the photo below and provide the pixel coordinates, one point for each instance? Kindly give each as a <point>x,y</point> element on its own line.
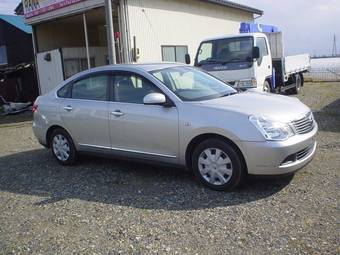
<point>275,107</point>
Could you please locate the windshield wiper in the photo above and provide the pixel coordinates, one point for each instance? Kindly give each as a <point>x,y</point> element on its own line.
<point>209,61</point>
<point>228,94</point>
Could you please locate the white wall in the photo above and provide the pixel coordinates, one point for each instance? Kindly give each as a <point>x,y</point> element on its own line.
<point>179,22</point>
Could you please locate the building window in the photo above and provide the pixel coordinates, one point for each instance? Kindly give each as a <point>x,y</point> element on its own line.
<point>3,55</point>
<point>174,53</point>
<point>76,65</point>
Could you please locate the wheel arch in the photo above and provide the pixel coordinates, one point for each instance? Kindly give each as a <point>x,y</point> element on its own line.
<point>50,131</point>
<point>202,137</point>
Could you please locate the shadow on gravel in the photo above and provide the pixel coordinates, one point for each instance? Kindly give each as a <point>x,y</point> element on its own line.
<point>121,183</point>
<point>328,118</point>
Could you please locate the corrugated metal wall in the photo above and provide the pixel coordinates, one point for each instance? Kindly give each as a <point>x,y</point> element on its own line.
<point>178,22</point>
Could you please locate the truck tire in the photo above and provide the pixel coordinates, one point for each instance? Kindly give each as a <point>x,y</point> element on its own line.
<point>298,83</point>
<point>266,86</point>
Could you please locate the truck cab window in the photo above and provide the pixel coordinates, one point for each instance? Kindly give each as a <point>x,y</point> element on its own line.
<point>261,43</point>
<point>205,52</point>
<point>226,50</point>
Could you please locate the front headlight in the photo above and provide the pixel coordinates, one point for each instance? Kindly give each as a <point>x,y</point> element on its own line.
<point>247,83</point>
<point>272,130</point>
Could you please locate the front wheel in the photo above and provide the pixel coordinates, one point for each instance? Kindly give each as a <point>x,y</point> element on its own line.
<point>217,165</point>
<point>266,87</point>
<point>62,147</point>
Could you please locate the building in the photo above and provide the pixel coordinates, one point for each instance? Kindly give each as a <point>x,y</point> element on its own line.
<point>17,75</point>
<point>72,35</point>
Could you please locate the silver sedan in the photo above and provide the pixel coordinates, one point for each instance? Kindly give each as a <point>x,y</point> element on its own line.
<point>175,114</point>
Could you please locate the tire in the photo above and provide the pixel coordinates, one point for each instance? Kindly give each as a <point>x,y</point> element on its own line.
<point>266,87</point>
<point>62,147</point>
<point>222,176</point>
<point>298,84</point>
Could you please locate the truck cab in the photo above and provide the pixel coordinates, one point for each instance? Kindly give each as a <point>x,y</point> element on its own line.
<point>253,59</point>
<point>244,61</point>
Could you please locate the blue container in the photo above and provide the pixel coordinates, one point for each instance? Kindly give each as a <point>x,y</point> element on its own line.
<point>246,27</point>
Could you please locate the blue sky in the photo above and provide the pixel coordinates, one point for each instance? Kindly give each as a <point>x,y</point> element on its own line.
<point>308,25</point>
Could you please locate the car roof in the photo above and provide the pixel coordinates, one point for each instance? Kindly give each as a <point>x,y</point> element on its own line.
<point>131,67</point>
<point>144,67</point>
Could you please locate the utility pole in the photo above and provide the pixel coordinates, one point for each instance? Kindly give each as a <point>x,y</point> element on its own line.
<point>334,51</point>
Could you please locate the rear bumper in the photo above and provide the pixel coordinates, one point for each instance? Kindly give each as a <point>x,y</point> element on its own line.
<point>276,158</point>
<point>39,129</point>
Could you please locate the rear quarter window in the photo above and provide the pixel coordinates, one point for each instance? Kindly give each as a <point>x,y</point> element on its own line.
<point>64,92</point>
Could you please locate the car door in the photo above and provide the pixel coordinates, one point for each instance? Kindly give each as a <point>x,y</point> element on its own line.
<point>138,130</point>
<point>84,110</point>
<point>264,63</point>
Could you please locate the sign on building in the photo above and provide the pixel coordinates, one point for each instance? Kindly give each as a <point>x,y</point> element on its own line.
<point>36,7</point>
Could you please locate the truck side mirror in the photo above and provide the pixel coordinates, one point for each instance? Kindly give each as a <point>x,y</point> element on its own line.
<point>256,52</point>
<point>187,59</point>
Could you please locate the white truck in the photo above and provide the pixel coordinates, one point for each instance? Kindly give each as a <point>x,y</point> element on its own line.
<point>252,61</point>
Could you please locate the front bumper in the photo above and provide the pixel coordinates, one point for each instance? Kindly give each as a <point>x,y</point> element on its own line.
<point>275,158</point>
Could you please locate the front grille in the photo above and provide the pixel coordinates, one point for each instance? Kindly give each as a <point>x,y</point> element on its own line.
<point>304,125</point>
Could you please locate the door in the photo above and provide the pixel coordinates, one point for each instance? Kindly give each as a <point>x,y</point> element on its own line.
<point>50,70</point>
<point>146,131</point>
<point>84,111</point>
<point>264,63</point>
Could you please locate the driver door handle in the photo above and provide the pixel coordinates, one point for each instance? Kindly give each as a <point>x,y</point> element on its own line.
<point>117,113</point>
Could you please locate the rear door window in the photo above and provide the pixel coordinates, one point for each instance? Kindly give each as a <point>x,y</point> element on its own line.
<point>91,88</point>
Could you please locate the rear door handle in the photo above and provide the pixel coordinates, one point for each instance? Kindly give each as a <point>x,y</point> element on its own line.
<point>117,113</point>
<point>68,108</point>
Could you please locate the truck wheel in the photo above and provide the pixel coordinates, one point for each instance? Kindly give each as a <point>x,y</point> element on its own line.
<point>298,84</point>
<point>217,165</point>
<point>266,87</point>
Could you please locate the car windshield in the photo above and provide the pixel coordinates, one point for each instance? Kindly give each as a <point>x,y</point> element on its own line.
<point>226,50</point>
<point>190,84</point>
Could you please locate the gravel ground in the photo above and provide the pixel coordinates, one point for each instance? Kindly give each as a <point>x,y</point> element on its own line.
<point>106,206</point>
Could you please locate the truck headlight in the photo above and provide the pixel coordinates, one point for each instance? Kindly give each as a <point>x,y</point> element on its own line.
<point>246,83</point>
<point>272,130</point>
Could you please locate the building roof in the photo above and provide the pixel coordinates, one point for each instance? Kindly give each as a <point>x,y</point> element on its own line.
<point>17,21</point>
<point>237,6</point>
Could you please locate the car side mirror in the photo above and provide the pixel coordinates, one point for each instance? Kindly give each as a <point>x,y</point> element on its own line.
<point>154,99</point>
<point>256,52</point>
<point>187,59</point>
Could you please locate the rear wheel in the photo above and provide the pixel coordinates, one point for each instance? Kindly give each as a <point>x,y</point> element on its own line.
<point>298,84</point>
<point>62,147</point>
<point>217,165</point>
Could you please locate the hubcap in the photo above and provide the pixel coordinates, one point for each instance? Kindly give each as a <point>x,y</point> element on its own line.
<point>215,166</point>
<point>61,147</point>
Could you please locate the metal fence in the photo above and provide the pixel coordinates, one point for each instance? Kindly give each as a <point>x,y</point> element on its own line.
<point>323,74</point>
<point>324,69</point>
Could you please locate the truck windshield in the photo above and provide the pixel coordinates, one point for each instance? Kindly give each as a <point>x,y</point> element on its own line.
<point>227,50</point>
<point>190,84</point>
